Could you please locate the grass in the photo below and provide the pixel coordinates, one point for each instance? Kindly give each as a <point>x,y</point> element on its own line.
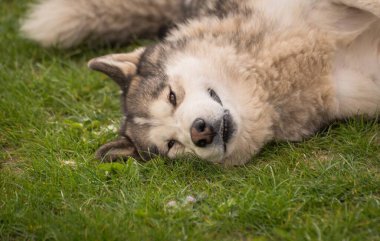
<point>54,113</point>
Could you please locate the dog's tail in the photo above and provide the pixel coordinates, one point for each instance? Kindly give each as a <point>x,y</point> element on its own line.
<point>66,23</point>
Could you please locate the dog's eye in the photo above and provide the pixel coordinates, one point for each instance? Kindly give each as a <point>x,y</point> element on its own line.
<point>171,143</point>
<point>172,98</point>
<point>214,96</point>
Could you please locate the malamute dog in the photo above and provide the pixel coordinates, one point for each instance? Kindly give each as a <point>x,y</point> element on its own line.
<point>231,75</point>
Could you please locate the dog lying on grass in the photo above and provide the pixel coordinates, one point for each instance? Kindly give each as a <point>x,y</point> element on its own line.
<point>231,75</point>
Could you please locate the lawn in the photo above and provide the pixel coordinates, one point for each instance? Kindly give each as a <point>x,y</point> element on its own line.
<point>54,114</point>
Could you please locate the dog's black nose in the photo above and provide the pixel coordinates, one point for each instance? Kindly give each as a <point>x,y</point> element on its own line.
<point>202,134</point>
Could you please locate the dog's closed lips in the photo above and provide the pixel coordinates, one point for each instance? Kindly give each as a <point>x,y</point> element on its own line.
<point>227,128</point>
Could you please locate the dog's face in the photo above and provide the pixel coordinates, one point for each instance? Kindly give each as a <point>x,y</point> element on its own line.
<point>191,113</point>
<point>173,106</point>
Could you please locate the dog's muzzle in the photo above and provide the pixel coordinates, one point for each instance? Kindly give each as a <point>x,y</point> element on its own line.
<point>204,134</point>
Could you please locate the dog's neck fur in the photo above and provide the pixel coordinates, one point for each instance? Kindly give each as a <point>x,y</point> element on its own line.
<point>297,79</point>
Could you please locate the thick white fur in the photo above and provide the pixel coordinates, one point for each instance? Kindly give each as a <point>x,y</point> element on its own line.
<point>356,69</point>
<point>357,75</point>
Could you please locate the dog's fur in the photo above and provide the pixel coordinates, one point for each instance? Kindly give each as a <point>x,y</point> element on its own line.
<point>256,70</point>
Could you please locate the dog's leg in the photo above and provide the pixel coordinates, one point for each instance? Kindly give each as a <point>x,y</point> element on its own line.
<point>372,6</point>
<point>357,75</point>
<point>66,23</point>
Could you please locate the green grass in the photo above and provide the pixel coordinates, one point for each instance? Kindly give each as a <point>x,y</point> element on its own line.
<point>54,113</point>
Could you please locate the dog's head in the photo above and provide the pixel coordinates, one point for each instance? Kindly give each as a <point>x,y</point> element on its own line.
<point>176,103</point>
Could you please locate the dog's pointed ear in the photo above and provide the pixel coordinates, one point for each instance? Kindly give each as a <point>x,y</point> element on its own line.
<point>344,19</point>
<point>119,67</point>
<point>118,149</point>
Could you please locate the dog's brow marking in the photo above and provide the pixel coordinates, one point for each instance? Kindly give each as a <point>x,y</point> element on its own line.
<point>188,2</point>
<point>141,121</point>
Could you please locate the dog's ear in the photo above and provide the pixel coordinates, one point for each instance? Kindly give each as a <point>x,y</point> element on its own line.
<point>119,67</point>
<point>118,149</point>
<point>337,16</point>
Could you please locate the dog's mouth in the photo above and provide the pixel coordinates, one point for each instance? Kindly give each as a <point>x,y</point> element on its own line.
<point>227,128</point>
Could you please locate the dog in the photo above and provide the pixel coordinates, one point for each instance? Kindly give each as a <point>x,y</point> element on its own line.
<point>231,75</point>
